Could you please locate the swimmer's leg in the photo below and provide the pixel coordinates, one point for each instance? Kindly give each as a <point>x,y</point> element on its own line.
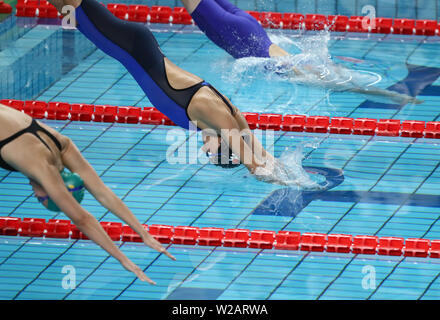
<point>59,4</point>
<point>209,16</point>
<point>116,37</point>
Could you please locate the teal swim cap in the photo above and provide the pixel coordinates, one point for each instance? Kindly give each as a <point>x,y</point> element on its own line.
<point>73,183</point>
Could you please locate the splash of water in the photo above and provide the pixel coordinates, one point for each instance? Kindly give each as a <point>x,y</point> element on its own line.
<point>295,172</point>
<point>311,64</point>
<point>314,65</point>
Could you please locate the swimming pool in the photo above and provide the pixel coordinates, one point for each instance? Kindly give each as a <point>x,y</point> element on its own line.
<point>389,186</point>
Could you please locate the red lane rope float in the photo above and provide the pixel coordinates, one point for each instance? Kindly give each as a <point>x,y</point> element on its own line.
<point>263,121</point>
<point>273,20</point>
<point>5,8</point>
<point>237,238</point>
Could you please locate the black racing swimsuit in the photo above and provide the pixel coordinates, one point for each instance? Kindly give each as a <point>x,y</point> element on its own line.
<point>33,128</point>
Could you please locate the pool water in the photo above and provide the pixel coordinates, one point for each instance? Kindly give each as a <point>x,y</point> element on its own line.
<point>384,186</point>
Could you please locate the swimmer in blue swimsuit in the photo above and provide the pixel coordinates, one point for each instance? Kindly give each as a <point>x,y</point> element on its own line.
<point>242,36</point>
<point>232,29</point>
<point>185,98</point>
<point>41,153</point>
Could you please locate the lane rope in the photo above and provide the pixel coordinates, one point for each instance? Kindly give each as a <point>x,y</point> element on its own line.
<point>237,238</point>
<point>262,121</point>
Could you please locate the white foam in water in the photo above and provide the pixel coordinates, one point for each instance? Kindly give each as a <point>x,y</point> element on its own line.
<point>295,172</point>
<point>314,66</point>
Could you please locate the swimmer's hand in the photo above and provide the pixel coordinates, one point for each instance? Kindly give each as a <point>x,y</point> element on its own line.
<point>416,101</point>
<point>266,175</point>
<point>404,99</point>
<point>297,72</point>
<point>156,245</point>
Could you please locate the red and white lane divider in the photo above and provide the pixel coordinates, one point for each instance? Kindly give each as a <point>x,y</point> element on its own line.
<point>262,121</point>
<point>273,20</point>
<point>238,238</point>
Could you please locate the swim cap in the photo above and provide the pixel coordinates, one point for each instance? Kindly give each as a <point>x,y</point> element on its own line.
<point>229,160</point>
<point>73,183</point>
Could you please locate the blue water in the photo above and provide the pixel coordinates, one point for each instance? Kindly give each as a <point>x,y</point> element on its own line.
<point>45,63</point>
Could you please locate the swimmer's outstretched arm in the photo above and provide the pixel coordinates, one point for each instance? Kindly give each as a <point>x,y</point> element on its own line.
<point>370,91</point>
<point>379,92</point>
<point>46,174</point>
<point>190,5</point>
<point>210,113</point>
<point>59,4</point>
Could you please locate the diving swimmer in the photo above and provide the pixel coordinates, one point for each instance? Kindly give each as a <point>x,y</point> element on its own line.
<point>184,97</point>
<point>42,154</point>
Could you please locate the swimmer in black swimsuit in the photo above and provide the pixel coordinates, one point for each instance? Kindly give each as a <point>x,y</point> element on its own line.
<point>41,153</point>
<point>185,98</point>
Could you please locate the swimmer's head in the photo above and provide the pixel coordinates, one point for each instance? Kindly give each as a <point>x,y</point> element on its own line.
<point>73,183</point>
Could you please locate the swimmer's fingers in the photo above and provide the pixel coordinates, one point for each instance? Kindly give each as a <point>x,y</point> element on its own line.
<point>130,266</point>
<point>156,245</point>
